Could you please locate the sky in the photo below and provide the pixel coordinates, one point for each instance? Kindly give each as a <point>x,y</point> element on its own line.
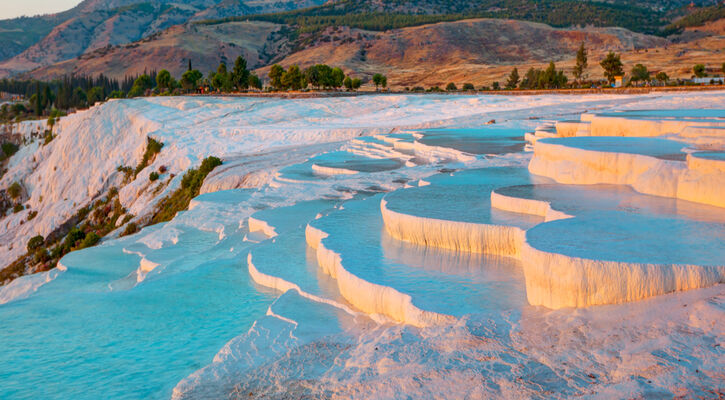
<point>17,8</point>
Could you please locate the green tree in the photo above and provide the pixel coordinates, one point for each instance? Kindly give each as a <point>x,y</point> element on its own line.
<point>723,68</point>
<point>699,70</point>
<point>468,87</point>
<point>640,73</point>
<point>140,85</point>
<point>293,78</point>
<point>221,80</point>
<point>190,79</point>
<point>95,94</point>
<point>378,80</point>
<point>320,75</point>
<point>254,81</point>
<point>275,76</point>
<point>356,83</point>
<point>612,65</point>
<point>513,79</point>
<point>662,77</point>
<point>38,100</point>
<point>581,62</point>
<point>79,97</point>
<point>240,74</point>
<point>496,86</point>
<point>347,83</point>
<point>451,87</point>
<point>336,77</point>
<point>47,97</point>
<point>163,79</point>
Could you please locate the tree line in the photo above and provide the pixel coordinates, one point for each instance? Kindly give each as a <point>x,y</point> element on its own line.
<point>376,16</point>
<point>551,78</point>
<point>320,76</point>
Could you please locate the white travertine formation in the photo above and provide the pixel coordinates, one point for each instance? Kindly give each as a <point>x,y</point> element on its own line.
<point>454,235</point>
<point>526,206</point>
<point>369,297</point>
<point>556,280</point>
<point>572,128</point>
<point>257,225</point>
<point>553,280</point>
<point>646,174</point>
<point>323,170</point>
<point>612,125</point>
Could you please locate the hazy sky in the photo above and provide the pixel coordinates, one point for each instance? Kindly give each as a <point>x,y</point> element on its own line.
<point>16,8</point>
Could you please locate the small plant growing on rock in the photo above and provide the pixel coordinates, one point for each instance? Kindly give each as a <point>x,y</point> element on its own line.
<point>14,190</point>
<point>35,242</point>
<point>130,229</point>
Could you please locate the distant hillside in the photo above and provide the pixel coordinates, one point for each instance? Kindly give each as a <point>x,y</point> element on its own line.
<point>18,34</point>
<point>45,40</point>
<point>411,55</point>
<point>93,37</point>
<point>458,51</point>
<point>205,46</point>
<point>231,8</point>
<point>380,15</point>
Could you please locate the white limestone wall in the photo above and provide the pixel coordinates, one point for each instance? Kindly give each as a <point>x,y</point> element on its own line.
<point>556,280</point>
<point>553,280</point>
<point>607,125</point>
<point>645,174</point>
<point>526,206</point>
<point>369,297</point>
<point>454,235</point>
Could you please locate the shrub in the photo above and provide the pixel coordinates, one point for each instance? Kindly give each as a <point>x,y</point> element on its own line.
<point>74,236</point>
<point>153,147</point>
<point>41,255</point>
<point>153,176</point>
<point>32,215</point>
<point>190,186</point>
<point>468,86</point>
<point>699,70</point>
<point>451,87</point>
<point>116,94</point>
<point>35,242</point>
<point>130,229</point>
<point>18,207</point>
<point>90,240</point>
<point>48,137</point>
<point>14,190</point>
<point>127,173</point>
<point>8,149</point>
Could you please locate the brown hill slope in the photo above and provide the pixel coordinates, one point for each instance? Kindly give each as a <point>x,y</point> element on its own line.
<point>94,24</point>
<point>97,29</point>
<point>438,53</point>
<point>478,51</point>
<point>171,49</point>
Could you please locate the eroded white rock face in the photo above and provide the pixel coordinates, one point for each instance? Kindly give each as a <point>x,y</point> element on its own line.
<point>255,137</point>
<point>565,161</point>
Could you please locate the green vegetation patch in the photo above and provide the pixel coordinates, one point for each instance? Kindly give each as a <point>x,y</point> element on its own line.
<point>190,186</point>
<point>371,15</point>
<point>697,18</point>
